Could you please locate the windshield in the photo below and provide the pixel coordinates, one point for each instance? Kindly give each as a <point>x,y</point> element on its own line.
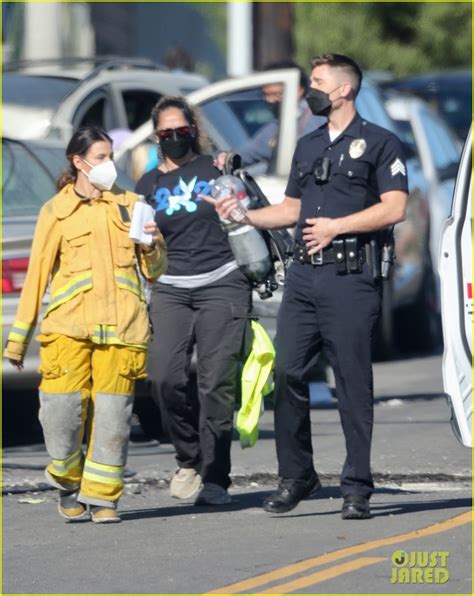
<point>36,91</point>
<point>26,185</point>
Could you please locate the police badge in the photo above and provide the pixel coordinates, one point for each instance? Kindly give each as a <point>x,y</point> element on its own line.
<point>357,148</point>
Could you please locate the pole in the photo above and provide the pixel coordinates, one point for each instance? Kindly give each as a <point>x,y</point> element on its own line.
<point>42,37</point>
<point>239,38</point>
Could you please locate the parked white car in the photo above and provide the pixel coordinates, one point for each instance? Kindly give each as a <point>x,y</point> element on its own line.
<point>455,268</point>
<point>50,98</point>
<point>439,152</point>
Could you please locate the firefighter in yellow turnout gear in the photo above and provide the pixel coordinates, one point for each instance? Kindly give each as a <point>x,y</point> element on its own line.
<point>95,331</point>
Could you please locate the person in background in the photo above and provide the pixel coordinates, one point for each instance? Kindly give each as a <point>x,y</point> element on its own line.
<point>95,332</point>
<point>262,146</point>
<point>204,300</point>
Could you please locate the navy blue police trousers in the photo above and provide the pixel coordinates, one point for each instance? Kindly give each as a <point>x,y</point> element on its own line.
<point>340,313</point>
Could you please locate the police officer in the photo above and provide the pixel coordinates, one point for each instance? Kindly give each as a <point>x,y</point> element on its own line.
<point>347,181</point>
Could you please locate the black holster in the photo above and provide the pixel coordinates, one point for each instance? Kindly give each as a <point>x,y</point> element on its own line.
<point>380,254</point>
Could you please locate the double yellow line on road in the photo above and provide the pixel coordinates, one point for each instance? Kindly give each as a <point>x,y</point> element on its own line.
<point>247,585</point>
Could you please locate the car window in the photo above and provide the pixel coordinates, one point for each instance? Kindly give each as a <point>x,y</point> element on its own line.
<point>250,108</point>
<point>38,91</point>
<point>138,106</point>
<point>26,185</point>
<point>444,152</point>
<point>96,110</point>
<point>222,119</point>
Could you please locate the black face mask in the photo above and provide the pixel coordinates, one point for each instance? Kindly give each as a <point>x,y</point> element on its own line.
<point>176,147</point>
<point>319,102</point>
<point>275,107</point>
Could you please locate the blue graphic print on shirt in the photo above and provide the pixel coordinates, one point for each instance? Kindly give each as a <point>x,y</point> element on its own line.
<point>183,196</point>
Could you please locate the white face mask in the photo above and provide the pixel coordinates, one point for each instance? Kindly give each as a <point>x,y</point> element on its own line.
<point>103,175</point>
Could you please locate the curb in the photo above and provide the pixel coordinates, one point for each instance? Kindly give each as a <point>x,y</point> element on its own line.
<point>270,479</point>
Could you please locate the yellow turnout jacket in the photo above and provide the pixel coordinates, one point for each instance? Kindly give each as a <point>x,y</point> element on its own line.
<point>82,250</point>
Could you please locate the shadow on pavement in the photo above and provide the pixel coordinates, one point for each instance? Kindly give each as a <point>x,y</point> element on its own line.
<point>254,499</point>
<point>399,508</point>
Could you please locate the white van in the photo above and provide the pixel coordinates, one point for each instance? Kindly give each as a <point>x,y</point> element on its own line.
<point>455,268</point>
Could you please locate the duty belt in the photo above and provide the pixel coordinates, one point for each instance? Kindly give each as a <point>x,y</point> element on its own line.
<point>322,257</point>
<point>346,254</point>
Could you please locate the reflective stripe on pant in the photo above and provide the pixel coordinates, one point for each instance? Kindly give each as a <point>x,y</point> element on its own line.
<point>87,389</point>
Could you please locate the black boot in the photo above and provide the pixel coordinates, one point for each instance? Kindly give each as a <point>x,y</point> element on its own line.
<point>355,507</point>
<point>290,493</point>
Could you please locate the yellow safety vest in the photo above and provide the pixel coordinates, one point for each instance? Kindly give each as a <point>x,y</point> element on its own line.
<point>255,376</point>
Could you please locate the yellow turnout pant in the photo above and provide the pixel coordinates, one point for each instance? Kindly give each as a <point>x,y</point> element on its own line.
<point>86,394</point>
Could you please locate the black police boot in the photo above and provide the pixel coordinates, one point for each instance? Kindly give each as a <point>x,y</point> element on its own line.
<point>290,493</point>
<point>356,507</point>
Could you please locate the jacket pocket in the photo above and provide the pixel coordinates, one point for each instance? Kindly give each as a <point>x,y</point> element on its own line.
<point>78,249</point>
<point>125,250</point>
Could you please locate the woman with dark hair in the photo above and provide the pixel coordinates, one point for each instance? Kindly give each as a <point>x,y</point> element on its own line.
<point>203,299</point>
<point>95,332</point>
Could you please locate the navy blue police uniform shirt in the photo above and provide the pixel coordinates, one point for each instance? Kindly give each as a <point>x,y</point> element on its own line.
<point>195,240</point>
<point>366,161</point>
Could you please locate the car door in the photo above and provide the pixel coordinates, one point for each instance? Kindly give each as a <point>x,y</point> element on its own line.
<point>88,105</point>
<point>455,267</point>
<point>240,100</point>
<point>135,103</point>
<point>232,110</point>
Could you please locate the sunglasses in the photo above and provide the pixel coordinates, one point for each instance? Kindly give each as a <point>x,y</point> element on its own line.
<point>168,133</point>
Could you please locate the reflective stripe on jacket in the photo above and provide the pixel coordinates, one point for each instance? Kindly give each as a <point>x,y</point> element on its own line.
<point>83,251</point>
<point>255,375</point>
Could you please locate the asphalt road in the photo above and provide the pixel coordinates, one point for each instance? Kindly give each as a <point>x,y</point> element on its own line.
<point>422,506</point>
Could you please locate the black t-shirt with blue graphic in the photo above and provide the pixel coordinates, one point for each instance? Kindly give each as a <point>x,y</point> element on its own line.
<point>194,238</point>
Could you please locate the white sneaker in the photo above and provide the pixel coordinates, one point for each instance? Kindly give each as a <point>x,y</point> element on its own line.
<point>185,483</point>
<point>212,494</point>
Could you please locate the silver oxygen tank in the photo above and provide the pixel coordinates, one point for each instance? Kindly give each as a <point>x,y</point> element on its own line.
<point>247,244</point>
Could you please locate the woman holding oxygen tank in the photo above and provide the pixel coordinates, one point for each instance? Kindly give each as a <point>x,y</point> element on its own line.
<point>204,300</point>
